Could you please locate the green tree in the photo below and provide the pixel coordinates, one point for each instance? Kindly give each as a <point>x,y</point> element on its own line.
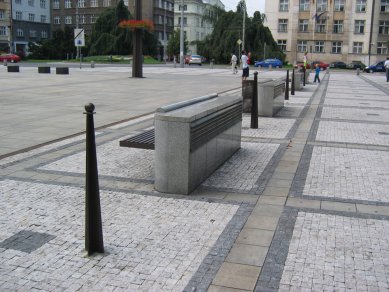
<point>173,46</point>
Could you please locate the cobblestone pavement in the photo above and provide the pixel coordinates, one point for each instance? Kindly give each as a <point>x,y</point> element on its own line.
<point>302,206</point>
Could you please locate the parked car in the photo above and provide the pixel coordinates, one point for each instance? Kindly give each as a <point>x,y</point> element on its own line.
<point>10,58</point>
<point>377,67</point>
<point>356,65</point>
<point>195,59</point>
<point>322,65</point>
<point>338,64</point>
<point>275,63</point>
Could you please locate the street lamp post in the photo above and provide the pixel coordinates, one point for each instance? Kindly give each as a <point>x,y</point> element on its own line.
<point>182,36</point>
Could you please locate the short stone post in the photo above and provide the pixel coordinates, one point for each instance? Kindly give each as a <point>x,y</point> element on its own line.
<point>92,64</point>
<point>287,85</point>
<point>358,71</point>
<point>5,63</point>
<point>93,225</point>
<point>254,104</point>
<point>292,89</point>
<point>270,67</point>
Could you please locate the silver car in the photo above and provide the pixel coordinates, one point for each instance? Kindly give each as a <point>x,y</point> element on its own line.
<point>195,59</point>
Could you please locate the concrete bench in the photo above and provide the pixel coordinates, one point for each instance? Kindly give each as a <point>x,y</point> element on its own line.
<point>298,80</point>
<point>192,140</point>
<point>13,68</point>
<point>62,70</point>
<point>144,140</point>
<point>270,97</point>
<point>44,69</point>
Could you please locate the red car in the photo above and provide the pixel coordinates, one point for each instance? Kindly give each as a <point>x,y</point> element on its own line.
<point>322,65</point>
<point>10,58</point>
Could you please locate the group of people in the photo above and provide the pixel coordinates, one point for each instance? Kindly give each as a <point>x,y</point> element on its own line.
<point>245,61</point>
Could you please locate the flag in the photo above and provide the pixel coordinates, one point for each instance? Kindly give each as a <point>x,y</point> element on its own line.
<point>317,16</point>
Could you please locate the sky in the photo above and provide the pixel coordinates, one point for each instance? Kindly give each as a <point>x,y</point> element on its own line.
<point>252,5</point>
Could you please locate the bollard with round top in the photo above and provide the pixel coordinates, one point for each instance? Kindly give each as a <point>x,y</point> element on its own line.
<point>93,225</point>
<point>287,85</point>
<point>254,104</point>
<point>292,89</point>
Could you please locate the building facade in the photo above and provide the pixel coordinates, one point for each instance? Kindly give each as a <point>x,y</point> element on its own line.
<point>5,25</point>
<point>196,27</point>
<point>161,12</point>
<point>330,30</point>
<point>30,23</point>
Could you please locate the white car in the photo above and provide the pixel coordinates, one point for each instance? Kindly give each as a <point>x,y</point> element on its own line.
<point>195,59</point>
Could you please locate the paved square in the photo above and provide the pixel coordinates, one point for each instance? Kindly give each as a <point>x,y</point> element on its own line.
<point>151,243</point>
<point>356,133</point>
<point>275,128</point>
<point>357,114</point>
<point>343,173</point>
<point>337,253</point>
<point>357,103</point>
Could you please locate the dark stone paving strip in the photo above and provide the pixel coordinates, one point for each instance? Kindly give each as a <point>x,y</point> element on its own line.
<point>376,85</point>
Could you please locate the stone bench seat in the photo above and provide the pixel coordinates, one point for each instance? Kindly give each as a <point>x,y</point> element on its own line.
<point>144,140</point>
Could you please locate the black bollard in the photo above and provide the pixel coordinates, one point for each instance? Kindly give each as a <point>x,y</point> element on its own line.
<point>254,104</point>
<point>292,86</point>
<point>304,76</point>
<point>93,226</point>
<point>287,85</point>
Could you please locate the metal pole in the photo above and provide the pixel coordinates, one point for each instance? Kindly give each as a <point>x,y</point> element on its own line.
<point>292,89</point>
<point>93,225</point>
<point>287,85</point>
<point>304,75</point>
<point>244,23</point>
<point>254,103</point>
<point>182,36</point>
<point>137,70</point>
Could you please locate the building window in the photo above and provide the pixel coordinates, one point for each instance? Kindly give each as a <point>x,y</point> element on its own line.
<point>3,30</point>
<point>43,18</point>
<point>282,45</point>
<point>302,46</point>
<point>321,25</point>
<point>57,20</point>
<point>68,3</point>
<point>339,5</point>
<point>32,33</point>
<point>282,25</point>
<point>384,5</point>
<point>304,5</point>
<point>56,4</point>
<point>361,5</point>
<point>93,18</point>
<point>106,3</point>
<point>357,47</point>
<point>20,32</point>
<point>284,5</point>
<point>384,27</point>
<point>359,26</point>
<point>303,25</point>
<point>180,7</point>
<point>94,3</point>
<point>2,13</point>
<point>336,47</point>
<point>319,47</point>
<point>44,34</point>
<point>31,17</point>
<point>68,20</point>
<point>18,15</point>
<point>31,2</point>
<point>81,3</point>
<point>382,49</point>
<point>321,5</point>
<point>179,21</point>
<point>82,18</point>
<point>338,26</point>
<point>43,3</point>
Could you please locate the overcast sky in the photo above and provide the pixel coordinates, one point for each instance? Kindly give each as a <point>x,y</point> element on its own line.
<point>252,5</point>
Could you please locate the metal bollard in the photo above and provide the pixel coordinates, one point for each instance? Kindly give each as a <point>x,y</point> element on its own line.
<point>92,64</point>
<point>292,89</point>
<point>254,104</point>
<point>287,85</point>
<point>5,63</point>
<point>358,71</point>
<point>93,226</point>
<point>304,69</point>
<point>212,62</point>
<point>270,67</point>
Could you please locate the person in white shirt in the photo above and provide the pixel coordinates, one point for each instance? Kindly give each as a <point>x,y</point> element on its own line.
<point>245,66</point>
<point>386,65</point>
<point>234,60</point>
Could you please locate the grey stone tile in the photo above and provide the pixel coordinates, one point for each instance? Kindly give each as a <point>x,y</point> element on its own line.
<point>255,237</point>
<point>338,206</point>
<point>247,255</point>
<point>303,203</point>
<point>262,222</point>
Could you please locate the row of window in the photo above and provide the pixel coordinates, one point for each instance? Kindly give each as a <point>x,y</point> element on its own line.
<point>42,3</point>
<point>336,47</point>
<point>31,17</point>
<point>80,3</point>
<point>338,5</point>
<point>337,26</point>
<point>83,18</point>
<point>20,32</point>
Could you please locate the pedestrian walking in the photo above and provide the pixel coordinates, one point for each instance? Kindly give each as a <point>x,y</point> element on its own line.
<point>317,74</point>
<point>234,60</point>
<point>245,66</point>
<point>386,65</point>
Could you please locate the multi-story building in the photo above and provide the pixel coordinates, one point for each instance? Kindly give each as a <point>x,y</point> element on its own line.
<point>5,25</point>
<point>330,30</point>
<point>161,12</point>
<point>196,26</point>
<point>78,13</point>
<point>30,23</point>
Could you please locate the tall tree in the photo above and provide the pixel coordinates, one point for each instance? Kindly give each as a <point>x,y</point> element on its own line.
<point>173,46</point>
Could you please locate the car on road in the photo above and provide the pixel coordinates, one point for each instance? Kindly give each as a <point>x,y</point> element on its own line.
<point>322,65</point>
<point>275,63</point>
<point>377,67</point>
<point>195,59</point>
<point>338,64</point>
<point>12,58</point>
<point>356,65</point>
